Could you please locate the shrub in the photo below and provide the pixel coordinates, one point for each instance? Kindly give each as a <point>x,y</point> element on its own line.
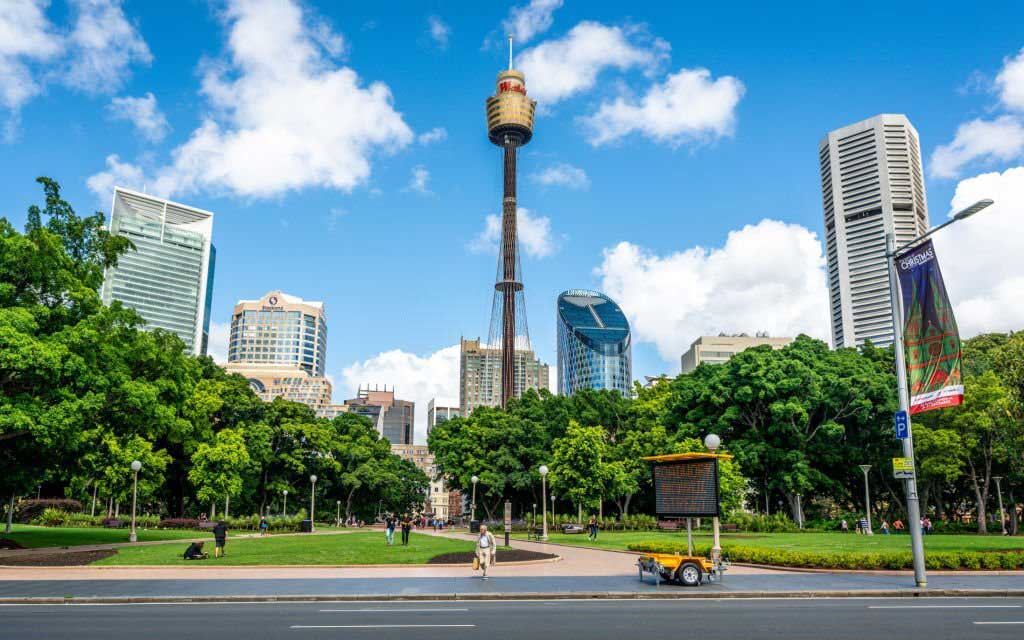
<point>28,510</point>
<point>775,523</point>
<point>50,517</point>
<point>179,523</point>
<point>991,560</point>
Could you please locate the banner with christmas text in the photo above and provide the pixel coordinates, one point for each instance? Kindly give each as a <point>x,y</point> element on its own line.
<point>931,338</point>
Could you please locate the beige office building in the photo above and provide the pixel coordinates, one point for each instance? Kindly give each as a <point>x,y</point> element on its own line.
<point>418,454</point>
<point>480,375</point>
<point>718,349</point>
<point>279,343</point>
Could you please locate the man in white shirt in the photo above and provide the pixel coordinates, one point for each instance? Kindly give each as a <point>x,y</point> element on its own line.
<point>486,549</point>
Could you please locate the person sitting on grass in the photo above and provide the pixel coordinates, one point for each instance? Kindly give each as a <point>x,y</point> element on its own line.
<point>220,535</point>
<point>195,552</point>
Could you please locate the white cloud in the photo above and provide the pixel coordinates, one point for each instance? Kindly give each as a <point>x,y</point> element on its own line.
<point>284,116</point>
<point>217,344</point>
<point>767,277</point>
<point>558,69</point>
<point>118,174</point>
<point>1010,82</point>
<point>688,107</point>
<point>562,175</point>
<point>526,21</point>
<point>437,134</point>
<point>982,258</point>
<point>439,31</point>
<point>416,378</point>
<point>534,235</point>
<point>26,36</point>
<point>102,46</point>
<point>419,180</point>
<point>142,112</point>
<point>999,139</point>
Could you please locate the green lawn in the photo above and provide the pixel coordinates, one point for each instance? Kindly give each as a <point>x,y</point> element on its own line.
<point>832,543</point>
<point>32,536</point>
<point>364,547</point>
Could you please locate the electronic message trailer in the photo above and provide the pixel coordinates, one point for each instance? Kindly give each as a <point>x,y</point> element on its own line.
<point>686,485</point>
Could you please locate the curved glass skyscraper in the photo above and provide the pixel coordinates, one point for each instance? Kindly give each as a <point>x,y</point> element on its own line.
<point>593,343</point>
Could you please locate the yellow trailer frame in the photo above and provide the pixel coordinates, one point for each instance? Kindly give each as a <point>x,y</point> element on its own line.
<point>690,571</point>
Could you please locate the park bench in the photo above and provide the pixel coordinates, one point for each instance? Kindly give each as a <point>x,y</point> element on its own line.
<point>670,525</point>
<point>535,533</point>
<point>730,526</point>
<point>114,524</point>
<point>207,524</point>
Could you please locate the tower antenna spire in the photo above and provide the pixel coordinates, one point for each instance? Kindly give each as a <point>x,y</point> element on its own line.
<point>510,52</point>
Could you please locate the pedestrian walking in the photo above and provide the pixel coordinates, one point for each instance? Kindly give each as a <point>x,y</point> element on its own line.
<point>844,526</point>
<point>220,537</point>
<point>486,550</point>
<point>263,526</point>
<point>885,528</point>
<point>592,527</point>
<point>406,529</point>
<point>898,526</point>
<point>864,527</point>
<point>389,529</point>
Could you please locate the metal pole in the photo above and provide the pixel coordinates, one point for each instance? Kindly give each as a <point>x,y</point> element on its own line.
<point>544,505</point>
<point>472,505</point>
<point>1002,515</point>
<point>312,507</point>
<point>133,537</point>
<point>689,536</point>
<point>867,499</point>
<point>284,509</point>
<point>913,505</point>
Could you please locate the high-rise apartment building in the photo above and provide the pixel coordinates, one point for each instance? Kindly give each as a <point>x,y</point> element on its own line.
<point>279,330</point>
<point>594,350</point>
<point>394,419</point>
<point>718,349</point>
<point>480,375</point>
<point>872,184</point>
<point>168,278</point>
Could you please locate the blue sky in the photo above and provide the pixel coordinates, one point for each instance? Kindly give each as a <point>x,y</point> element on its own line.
<point>342,148</point>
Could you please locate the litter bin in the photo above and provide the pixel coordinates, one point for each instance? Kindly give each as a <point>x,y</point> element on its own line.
<point>474,526</point>
<point>306,526</point>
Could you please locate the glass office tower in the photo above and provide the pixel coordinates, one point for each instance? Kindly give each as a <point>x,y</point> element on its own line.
<point>168,279</point>
<point>593,344</point>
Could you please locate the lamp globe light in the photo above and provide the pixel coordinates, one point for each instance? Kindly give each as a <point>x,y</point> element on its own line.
<point>312,478</point>
<point>474,479</point>
<point>712,442</point>
<point>543,469</point>
<point>136,465</point>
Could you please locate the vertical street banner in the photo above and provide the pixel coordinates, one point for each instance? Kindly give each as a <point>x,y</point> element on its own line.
<point>931,338</point>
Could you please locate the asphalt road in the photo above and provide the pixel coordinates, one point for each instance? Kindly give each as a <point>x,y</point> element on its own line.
<point>831,619</point>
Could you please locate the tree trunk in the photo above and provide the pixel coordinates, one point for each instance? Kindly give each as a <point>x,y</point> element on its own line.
<point>117,509</point>
<point>795,508</point>
<point>227,503</point>
<point>92,514</point>
<point>980,499</point>
<point>348,503</point>
<point>1014,522</point>
<point>110,507</point>
<point>213,510</point>
<point>10,514</point>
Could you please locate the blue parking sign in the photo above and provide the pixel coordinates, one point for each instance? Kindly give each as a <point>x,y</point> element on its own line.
<point>902,425</point>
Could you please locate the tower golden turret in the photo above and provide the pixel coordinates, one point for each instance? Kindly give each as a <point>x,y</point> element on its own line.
<point>509,125</point>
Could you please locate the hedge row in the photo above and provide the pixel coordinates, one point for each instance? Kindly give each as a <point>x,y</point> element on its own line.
<point>970,560</point>
<point>57,518</point>
<point>28,510</point>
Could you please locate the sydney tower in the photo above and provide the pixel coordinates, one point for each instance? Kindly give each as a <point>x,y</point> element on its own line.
<point>510,126</point>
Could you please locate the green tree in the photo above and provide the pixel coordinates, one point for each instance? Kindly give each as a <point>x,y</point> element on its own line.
<point>218,467</point>
<point>583,468</point>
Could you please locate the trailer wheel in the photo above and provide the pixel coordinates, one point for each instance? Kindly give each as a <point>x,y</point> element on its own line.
<point>689,574</point>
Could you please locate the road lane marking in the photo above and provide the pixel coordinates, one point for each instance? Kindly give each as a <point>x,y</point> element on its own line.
<point>377,626</point>
<point>948,606</point>
<point>1008,622</point>
<point>380,610</point>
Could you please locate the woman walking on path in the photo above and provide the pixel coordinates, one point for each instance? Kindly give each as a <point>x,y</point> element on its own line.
<point>220,536</point>
<point>486,549</point>
<point>406,529</point>
<point>389,530</point>
<point>592,526</point>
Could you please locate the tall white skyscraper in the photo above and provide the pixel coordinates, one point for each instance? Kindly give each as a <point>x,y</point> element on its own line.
<point>168,279</point>
<point>872,184</point>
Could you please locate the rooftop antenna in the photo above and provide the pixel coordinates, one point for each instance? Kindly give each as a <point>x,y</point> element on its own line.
<point>510,52</point>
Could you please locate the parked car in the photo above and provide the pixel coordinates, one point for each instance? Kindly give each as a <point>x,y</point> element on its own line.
<point>573,528</point>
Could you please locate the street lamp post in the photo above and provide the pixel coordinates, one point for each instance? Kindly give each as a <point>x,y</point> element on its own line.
<point>472,505</point>
<point>337,518</point>
<point>913,502</point>
<point>867,498</point>
<point>284,509</point>
<point>1002,515</point>
<point>136,466</point>
<point>534,521</point>
<point>712,442</point>
<point>543,501</point>
<point>312,503</point>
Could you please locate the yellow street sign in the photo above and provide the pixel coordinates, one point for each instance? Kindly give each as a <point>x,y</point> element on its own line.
<point>902,468</point>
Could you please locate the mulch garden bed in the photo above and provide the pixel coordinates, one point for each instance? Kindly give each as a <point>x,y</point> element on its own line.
<point>7,543</point>
<point>77,559</point>
<point>504,555</point>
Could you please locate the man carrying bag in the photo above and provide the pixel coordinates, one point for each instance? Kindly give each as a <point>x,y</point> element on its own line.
<point>486,550</point>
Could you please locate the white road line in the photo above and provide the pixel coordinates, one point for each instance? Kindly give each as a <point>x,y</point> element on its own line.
<point>382,610</point>
<point>376,626</point>
<point>1011,622</point>
<point>949,606</point>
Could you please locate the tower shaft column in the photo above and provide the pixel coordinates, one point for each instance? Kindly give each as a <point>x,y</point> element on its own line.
<point>509,246</point>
